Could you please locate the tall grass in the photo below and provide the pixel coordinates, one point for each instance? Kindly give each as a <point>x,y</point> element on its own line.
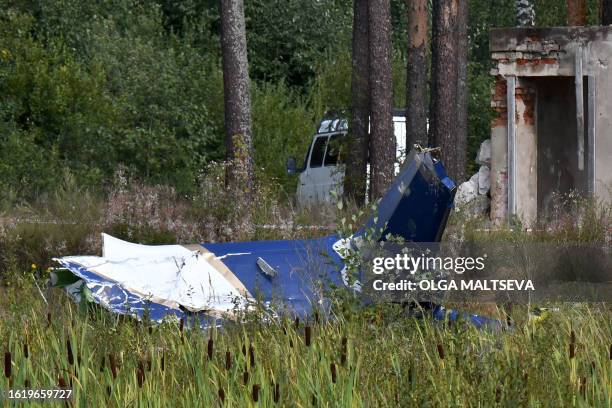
<point>377,357</point>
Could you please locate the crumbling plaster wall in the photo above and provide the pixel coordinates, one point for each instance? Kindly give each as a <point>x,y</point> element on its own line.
<point>526,149</point>
<point>528,53</point>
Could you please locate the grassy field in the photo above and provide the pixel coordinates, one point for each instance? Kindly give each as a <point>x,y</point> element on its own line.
<point>353,357</point>
<point>368,358</point>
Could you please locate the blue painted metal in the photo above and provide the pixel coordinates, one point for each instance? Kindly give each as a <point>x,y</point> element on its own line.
<point>418,203</point>
<point>303,267</point>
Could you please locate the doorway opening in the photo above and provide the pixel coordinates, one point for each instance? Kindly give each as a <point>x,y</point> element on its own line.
<point>559,172</point>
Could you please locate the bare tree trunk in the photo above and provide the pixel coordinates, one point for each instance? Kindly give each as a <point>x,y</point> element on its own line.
<point>356,177</point>
<point>416,78</point>
<point>236,88</point>
<point>576,12</point>
<point>462,90</point>
<point>382,139</point>
<point>606,12</point>
<point>444,84</point>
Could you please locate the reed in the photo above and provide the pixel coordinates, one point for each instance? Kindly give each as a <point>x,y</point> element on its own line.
<point>221,394</point>
<point>113,365</point>
<point>307,336</point>
<point>61,382</point>
<point>256,388</point>
<point>441,353</point>
<point>7,364</point>
<point>140,374</point>
<point>210,348</point>
<point>228,360</point>
<point>372,358</point>
<point>69,354</point>
<point>344,351</point>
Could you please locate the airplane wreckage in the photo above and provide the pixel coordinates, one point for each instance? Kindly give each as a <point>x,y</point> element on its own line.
<point>213,281</point>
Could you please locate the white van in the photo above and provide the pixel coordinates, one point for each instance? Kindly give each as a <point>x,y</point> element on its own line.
<point>323,169</point>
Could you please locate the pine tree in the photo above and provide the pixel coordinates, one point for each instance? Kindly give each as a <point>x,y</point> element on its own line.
<point>357,157</point>
<point>416,78</point>
<point>382,138</point>
<point>236,88</point>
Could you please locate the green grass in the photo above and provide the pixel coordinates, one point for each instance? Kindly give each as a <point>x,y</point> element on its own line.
<point>390,359</point>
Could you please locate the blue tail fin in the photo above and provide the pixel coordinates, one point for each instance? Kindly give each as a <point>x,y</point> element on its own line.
<point>418,203</point>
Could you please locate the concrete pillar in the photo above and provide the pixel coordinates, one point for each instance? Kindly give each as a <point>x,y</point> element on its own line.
<point>499,154</point>
<point>526,188</point>
<point>525,150</point>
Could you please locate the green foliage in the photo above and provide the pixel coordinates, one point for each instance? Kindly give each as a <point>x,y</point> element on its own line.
<point>25,167</point>
<point>119,92</point>
<point>286,40</point>
<point>94,86</point>
<point>331,90</point>
<point>282,127</point>
<point>553,13</point>
<point>480,112</point>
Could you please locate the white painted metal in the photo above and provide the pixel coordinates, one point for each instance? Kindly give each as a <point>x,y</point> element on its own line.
<point>172,275</point>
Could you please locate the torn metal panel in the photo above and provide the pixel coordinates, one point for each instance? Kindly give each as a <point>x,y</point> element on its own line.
<point>213,281</point>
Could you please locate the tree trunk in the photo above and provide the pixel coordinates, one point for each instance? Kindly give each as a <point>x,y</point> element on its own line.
<point>444,84</point>
<point>382,138</point>
<point>606,12</point>
<point>462,90</point>
<point>576,12</point>
<point>236,88</point>
<point>416,78</point>
<point>357,158</point>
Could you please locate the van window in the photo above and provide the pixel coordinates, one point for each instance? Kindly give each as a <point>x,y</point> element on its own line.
<point>318,151</point>
<point>334,150</point>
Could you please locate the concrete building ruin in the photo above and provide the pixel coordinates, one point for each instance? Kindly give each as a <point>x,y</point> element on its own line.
<point>552,133</point>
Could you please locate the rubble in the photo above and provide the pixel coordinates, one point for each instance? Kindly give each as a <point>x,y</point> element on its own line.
<point>484,153</point>
<point>467,191</point>
<point>484,180</point>
<point>472,198</point>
